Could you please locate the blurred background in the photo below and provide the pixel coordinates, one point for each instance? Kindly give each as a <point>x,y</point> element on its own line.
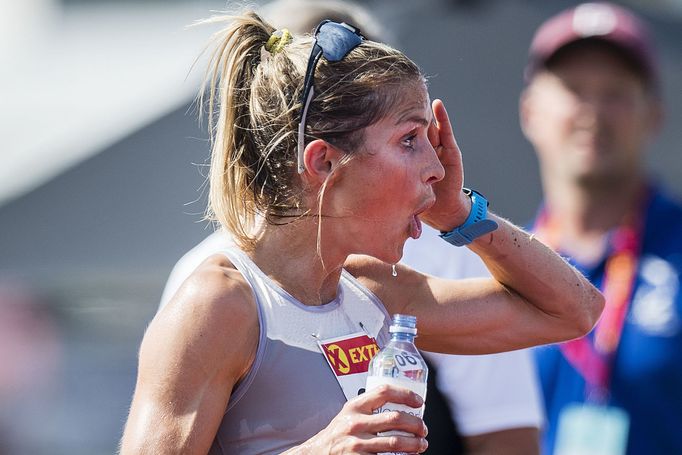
<point>102,165</point>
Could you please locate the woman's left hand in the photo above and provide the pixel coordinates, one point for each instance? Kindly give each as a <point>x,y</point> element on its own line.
<point>452,205</point>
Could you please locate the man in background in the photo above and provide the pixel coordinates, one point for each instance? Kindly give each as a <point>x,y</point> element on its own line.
<point>482,404</point>
<point>590,109</point>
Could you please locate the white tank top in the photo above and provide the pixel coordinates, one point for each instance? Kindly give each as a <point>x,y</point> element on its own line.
<point>290,393</point>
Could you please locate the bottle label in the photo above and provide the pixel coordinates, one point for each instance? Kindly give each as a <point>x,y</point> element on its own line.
<point>348,357</point>
<point>417,387</point>
<point>405,361</point>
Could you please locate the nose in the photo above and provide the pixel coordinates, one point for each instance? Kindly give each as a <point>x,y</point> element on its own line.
<point>434,170</point>
<point>591,110</point>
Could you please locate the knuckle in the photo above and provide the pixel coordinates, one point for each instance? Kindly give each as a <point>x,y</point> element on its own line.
<point>422,445</point>
<point>352,403</point>
<point>384,389</point>
<point>352,426</point>
<point>393,417</point>
<point>353,445</point>
<point>393,443</point>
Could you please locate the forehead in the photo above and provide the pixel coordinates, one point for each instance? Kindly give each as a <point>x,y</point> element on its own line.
<point>411,100</point>
<point>594,55</point>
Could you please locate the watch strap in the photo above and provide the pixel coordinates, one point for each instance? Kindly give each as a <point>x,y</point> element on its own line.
<point>476,224</point>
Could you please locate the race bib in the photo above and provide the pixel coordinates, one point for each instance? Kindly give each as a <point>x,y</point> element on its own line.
<point>348,357</point>
<point>586,429</point>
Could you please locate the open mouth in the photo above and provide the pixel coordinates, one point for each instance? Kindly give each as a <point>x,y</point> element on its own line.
<point>416,223</point>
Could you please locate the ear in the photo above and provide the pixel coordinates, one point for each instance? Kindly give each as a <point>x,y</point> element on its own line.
<point>526,113</point>
<point>320,159</point>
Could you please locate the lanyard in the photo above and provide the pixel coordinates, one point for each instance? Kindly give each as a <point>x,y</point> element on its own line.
<point>593,356</point>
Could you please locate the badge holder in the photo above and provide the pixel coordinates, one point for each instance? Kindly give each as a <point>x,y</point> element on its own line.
<point>592,429</point>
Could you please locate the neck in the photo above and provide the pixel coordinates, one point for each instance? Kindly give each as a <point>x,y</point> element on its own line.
<point>582,215</point>
<point>288,255</point>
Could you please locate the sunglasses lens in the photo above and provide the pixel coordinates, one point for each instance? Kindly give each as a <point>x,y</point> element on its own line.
<point>337,40</point>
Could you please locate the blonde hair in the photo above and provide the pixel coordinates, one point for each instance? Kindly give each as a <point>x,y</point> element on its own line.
<point>256,97</point>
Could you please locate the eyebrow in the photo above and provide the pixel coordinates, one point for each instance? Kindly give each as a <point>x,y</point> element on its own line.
<point>408,115</point>
<point>413,119</point>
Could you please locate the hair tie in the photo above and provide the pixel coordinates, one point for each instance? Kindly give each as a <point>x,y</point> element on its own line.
<point>278,40</point>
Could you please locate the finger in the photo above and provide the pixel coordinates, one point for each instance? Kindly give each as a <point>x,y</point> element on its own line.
<point>433,134</point>
<point>375,398</point>
<point>446,134</point>
<point>400,421</point>
<point>395,443</point>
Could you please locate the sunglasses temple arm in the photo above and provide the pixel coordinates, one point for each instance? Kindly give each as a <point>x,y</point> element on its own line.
<point>301,130</point>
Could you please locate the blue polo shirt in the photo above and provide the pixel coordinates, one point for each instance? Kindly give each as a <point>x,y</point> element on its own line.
<point>646,379</point>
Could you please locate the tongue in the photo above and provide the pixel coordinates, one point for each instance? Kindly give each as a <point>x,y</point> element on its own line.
<point>415,227</point>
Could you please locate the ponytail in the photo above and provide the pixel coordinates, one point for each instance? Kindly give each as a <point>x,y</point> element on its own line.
<point>229,77</point>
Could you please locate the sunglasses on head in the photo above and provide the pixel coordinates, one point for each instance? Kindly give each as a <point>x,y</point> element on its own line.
<point>334,41</point>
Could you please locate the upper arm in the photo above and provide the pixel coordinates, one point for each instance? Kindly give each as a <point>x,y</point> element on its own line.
<point>470,316</point>
<point>535,297</point>
<point>476,316</point>
<point>189,363</point>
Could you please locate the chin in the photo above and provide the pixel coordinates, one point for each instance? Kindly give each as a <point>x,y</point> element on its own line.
<point>397,255</point>
<point>389,249</point>
<point>389,257</point>
<point>602,181</point>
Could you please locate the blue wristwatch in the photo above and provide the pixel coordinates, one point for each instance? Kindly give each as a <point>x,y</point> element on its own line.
<point>476,224</point>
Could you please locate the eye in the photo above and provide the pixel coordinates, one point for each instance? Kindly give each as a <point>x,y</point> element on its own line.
<point>409,140</point>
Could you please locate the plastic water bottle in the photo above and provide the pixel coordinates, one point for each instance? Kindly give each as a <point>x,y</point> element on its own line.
<point>399,364</point>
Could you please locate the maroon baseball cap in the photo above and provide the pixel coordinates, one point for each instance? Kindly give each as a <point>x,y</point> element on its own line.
<point>601,21</point>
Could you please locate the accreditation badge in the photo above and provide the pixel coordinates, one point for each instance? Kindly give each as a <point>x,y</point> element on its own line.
<point>348,357</point>
<point>587,429</point>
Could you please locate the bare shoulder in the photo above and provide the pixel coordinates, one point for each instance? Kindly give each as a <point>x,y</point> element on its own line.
<point>394,291</point>
<point>215,290</point>
<point>193,353</point>
<point>361,266</point>
<point>212,317</point>
<point>215,287</point>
